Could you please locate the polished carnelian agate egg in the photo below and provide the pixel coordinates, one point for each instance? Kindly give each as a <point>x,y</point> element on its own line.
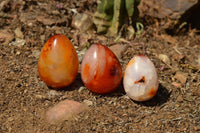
<point>140,78</point>
<point>58,62</point>
<point>101,71</point>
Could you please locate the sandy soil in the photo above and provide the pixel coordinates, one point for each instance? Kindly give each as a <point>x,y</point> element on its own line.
<point>26,26</point>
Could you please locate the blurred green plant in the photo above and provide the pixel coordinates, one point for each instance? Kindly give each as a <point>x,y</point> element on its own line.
<point>111,15</point>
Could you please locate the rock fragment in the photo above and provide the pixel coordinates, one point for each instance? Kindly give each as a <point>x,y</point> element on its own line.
<point>64,110</point>
<point>83,22</point>
<point>118,49</point>
<point>164,58</point>
<point>88,102</point>
<point>182,77</point>
<point>6,37</point>
<point>19,33</point>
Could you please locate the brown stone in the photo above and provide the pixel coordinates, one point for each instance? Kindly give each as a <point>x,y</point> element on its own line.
<point>179,98</point>
<point>64,110</point>
<point>6,37</point>
<point>118,49</point>
<point>162,8</point>
<point>182,77</point>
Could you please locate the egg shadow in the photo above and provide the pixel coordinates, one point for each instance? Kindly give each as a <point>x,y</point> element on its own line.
<point>119,91</point>
<point>161,97</point>
<point>75,85</point>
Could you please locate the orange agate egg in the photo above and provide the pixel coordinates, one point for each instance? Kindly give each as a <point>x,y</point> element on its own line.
<point>58,62</point>
<point>101,71</point>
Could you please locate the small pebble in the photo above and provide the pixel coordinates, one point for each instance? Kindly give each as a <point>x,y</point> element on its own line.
<point>53,93</point>
<point>164,58</point>
<point>18,42</point>
<point>88,102</point>
<point>179,98</point>
<point>18,53</point>
<point>81,88</point>
<point>64,110</point>
<point>126,97</point>
<point>36,53</point>
<point>118,49</point>
<point>40,96</point>
<point>182,77</point>
<point>19,33</point>
<point>178,85</point>
<point>82,22</point>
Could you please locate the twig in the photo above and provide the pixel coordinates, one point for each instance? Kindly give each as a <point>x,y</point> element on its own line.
<point>177,50</point>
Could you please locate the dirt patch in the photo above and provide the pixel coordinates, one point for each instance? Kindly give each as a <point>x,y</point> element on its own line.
<point>24,98</point>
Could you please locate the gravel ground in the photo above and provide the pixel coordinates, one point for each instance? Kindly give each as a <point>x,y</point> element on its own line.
<point>26,26</point>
